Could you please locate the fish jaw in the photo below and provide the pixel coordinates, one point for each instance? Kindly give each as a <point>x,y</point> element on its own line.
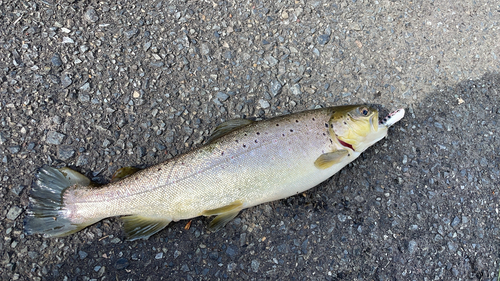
<point>393,117</point>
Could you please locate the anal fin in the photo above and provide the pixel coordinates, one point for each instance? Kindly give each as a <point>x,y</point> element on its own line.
<point>224,215</point>
<point>326,160</point>
<point>141,227</point>
<point>123,173</point>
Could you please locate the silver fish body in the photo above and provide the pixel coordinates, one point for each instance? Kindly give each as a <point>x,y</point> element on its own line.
<point>250,164</point>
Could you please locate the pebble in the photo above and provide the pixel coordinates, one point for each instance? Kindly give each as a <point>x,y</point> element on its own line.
<point>411,246</point>
<point>91,15</point>
<point>159,256</point>
<point>452,246</point>
<point>131,33</point>
<point>121,263</point>
<point>323,39</point>
<point>264,103</point>
<point>66,81</point>
<point>54,137</point>
<point>231,251</point>
<point>255,265</point>
<point>56,60</point>
<point>83,97</point>
<point>276,87</point>
<point>222,96</point>
<point>14,212</point>
<point>18,189</point>
<point>295,89</point>
<point>14,149</point>
<point>82,254</point>
<point>65,152</point>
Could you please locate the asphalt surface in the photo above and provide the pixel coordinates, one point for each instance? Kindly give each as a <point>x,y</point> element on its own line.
<point>101,85</point>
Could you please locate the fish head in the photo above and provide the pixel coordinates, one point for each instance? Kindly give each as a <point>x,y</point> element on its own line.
<point>357,126</point>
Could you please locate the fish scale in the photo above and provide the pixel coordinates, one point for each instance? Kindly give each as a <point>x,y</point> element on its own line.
<point>245,164</point>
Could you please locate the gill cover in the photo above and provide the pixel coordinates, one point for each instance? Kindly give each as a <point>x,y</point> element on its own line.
<point>356,127</point>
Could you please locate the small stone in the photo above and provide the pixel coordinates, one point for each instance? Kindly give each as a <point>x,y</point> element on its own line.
<point>82,254</point>
<point>295,89</point>
<point>14,149</point>
<point>136,94</point>
<point>67,40</point>
<point>66,81</point>
<point>231,251</point>
<point>54,137</point>
<point>146,46</point>
<point>342,217</point>
<point>82,161</point>
<point>56,60</point>
<point>222,96</point>
<point>65,152</point>
<point>83,97</point>
<point>455,221</point>
<point>264,103</point>
<point>14,212</point>
<point>411,246</point>
<point>121,263</point>
<point>159,256</point>
<point>255,265</point>
<point>204,50</point>
<point>452,246</point>
<point>275,87</point>
<point>91,15</point>
<point>323,39</point>
<point>85,87</point>
<point>131,33</point>
<point>17,190</point>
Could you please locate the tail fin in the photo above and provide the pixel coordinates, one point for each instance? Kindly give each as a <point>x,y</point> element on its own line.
<point>46,212</point>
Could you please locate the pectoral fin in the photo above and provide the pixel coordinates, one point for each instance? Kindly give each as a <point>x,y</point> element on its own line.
<point>228,127</point>
<point>140,227</point>
<point>224,215</point>
<point>327,160</point>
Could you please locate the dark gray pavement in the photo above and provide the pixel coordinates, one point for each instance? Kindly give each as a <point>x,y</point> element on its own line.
<point>99,85</point>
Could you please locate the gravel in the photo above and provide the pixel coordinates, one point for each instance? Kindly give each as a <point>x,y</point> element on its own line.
<point>99,86</point>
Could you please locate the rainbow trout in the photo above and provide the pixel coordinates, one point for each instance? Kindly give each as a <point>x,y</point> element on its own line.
<point>245,163</point>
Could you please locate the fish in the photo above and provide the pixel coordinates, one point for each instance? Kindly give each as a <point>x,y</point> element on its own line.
<point>243,164</point>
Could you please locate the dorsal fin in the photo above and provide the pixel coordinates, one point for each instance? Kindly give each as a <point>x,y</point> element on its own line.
<point>228,127</point>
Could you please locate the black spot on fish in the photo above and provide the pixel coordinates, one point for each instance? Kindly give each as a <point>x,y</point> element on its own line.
<point>258,133</point>
<point>296,121</point>
<point>291,130</point>
<point>324,134</point>
<point>345,123</point>
<point>331,141</point>
<point>245,135</point>
<point>331,126</point>
<point>283,134</point>
<point>256,141</point>
<point>159,169</point>
<point>314,119</point>
<point>348,154</point>
<point>236,141</point>
<point>222,153</point>
<point>326,125</point>
<point>244,145</point>
<point>277,125</point>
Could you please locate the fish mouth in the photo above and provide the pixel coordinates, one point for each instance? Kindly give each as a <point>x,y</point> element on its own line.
<point>392,118</point>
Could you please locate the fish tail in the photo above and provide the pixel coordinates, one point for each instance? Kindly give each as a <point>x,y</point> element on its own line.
<point>47,213</point>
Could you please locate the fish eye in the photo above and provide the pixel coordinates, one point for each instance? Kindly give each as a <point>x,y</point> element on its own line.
<point>364,111</point>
